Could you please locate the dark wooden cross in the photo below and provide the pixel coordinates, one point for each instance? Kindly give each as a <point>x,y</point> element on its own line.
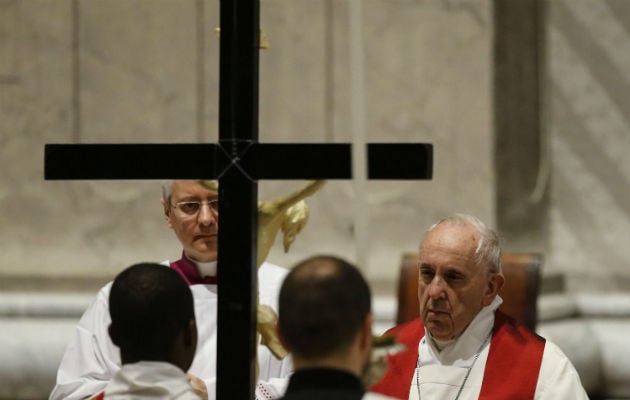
<point>238,161</point>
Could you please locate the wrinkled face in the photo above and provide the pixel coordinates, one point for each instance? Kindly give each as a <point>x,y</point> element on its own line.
<point>452,288</point>
<point>198,232</point>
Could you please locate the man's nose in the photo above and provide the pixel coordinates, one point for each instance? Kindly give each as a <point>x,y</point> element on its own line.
<point>436,288</point>
<point>207,215</point>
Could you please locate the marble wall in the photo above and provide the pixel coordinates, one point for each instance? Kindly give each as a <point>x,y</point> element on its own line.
<point>589,135</point>
<point>146,71</point>
<point>120,71</point>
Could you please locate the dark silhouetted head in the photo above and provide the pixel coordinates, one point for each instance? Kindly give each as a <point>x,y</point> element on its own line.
<point>153,316</point>
<point>324,303</point>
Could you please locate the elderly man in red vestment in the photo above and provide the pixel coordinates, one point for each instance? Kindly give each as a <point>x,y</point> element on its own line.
<point>462,347</point>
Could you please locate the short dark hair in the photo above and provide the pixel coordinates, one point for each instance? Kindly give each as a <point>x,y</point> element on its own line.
<point>323,303</point>
<point>149,304</point>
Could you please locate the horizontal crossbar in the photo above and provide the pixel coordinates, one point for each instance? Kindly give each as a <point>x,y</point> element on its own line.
<point>277,161</point>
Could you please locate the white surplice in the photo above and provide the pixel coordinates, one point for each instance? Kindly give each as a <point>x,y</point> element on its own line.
<point>91,359</point>
<point>150,380</point>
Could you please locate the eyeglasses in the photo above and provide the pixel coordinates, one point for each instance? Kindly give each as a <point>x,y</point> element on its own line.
<point>190,208</point>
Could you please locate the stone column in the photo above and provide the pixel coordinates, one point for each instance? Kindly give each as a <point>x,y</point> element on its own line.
<point>521,152</point>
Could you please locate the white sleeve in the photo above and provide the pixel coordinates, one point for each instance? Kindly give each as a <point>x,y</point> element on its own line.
<point>271,389</point>
<point>90,359</point>
<point>270,281</point>
<point>211,387</point>
<point>558,378</point>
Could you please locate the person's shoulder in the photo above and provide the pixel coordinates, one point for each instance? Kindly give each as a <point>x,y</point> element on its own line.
<point>103,293</point>
<point>270,278</point>
<point>552,351</point>
<point>97,311</point>
<point>412,326</point>
<point>558,377</point>
<point>503,320</point>
<point>407,333</point>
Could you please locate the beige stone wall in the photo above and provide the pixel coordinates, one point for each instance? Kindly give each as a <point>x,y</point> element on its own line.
<point>146,71</point>
<point>589,129</point>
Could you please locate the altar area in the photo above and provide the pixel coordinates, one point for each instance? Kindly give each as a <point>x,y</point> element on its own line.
<point>591,328</point>
<point>527,104</point>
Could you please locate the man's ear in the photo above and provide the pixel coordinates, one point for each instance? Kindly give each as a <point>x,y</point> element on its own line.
<point>167,212</point>
<point>280,337</point>
<point>111,329</point>
<point>190,334</point>
<point>366,332</point>
<point>495,283</point>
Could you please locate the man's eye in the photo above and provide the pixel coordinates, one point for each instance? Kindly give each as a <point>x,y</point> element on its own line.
<point>189,208</point>
<point>426,274</point>
<point>454,277</point>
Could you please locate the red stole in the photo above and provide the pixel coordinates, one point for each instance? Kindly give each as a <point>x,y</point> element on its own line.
<point>99,396</point>
<point>189,271</point>
<point>511,370</point>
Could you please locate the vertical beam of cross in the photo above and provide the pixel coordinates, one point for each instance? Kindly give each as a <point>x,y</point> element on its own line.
<point>238,129</point>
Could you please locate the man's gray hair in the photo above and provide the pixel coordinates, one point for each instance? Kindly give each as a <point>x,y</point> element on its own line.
<point>167,188</point>
<point>167,191</point>
<point>488,251</point>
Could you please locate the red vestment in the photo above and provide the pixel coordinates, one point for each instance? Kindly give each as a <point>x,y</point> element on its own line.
<point>511,371</point>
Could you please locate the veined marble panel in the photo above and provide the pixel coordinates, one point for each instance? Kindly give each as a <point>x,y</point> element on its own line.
<point>589,123</point>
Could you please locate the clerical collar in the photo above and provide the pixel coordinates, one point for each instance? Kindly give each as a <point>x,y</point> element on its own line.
<point>441,344</point>
<point>460,348</point>
<point>195,273</point>
<point>207,269</point>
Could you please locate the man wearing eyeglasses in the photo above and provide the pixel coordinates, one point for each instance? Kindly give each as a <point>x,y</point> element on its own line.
<point>191,210</point>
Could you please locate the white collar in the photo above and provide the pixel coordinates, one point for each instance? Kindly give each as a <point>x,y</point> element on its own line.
<point>461,350</point>
<point>206,268</point>
<point>148,380</point>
